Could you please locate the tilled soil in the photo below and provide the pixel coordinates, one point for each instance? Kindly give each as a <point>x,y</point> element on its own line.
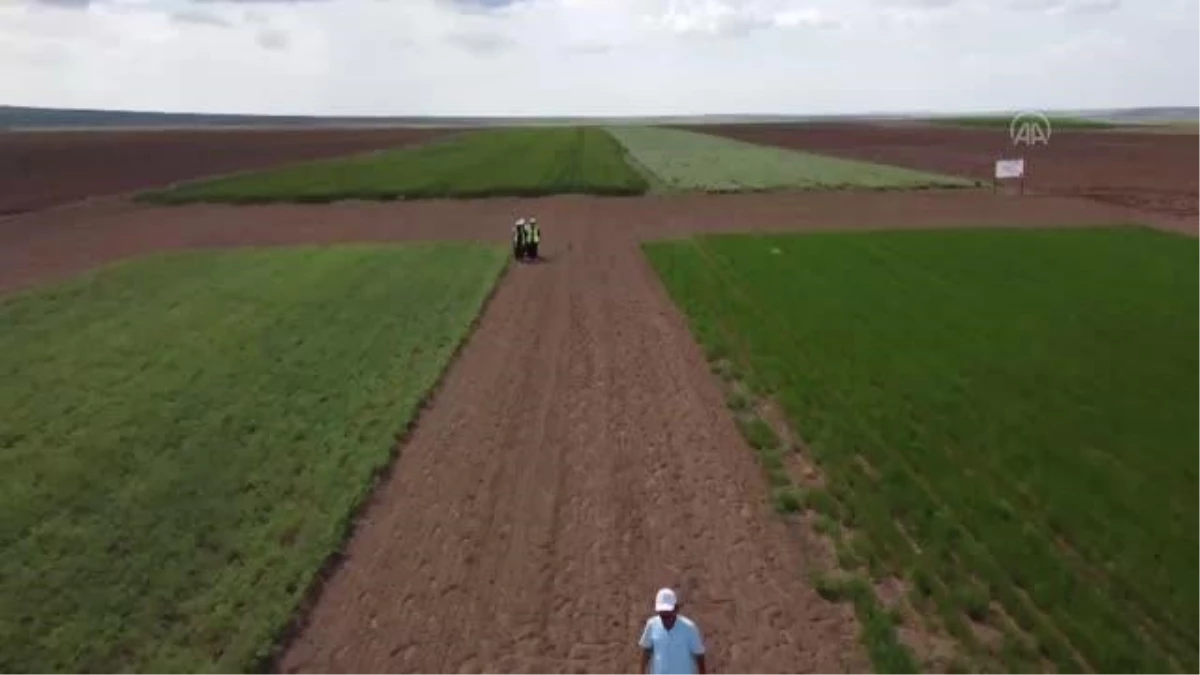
<point>578,454</point>
<point>1154,172</point>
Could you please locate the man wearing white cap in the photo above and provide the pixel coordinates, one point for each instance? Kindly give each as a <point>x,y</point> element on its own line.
<point>671,642</point>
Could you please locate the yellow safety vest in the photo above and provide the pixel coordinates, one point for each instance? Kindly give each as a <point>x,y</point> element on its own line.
<point>535,235</point>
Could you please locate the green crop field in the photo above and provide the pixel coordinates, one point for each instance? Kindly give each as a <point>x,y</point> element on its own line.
<point>1005,419</point>
<point>499,162</point>
<point>184,440</point>
<point>686,160</point>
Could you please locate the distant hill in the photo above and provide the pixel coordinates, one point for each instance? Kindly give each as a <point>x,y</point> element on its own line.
<point>22,117</point>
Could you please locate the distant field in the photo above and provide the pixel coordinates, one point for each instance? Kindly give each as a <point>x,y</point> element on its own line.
<point>1003,121</point>
<point>1007,420</point>
<point>686,160</point>
<point>184,439</point>
<point>501,162</point>
<point>48,168</point>
<point>1163,128</point>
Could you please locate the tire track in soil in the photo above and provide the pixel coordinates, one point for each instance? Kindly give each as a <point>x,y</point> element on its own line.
<point>576,458</point>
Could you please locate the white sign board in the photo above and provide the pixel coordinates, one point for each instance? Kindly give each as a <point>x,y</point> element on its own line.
<point>1010,168</point>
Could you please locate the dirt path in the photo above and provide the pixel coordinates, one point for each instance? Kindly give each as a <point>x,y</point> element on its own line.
<point>575,460</point>
<point>578,455</point>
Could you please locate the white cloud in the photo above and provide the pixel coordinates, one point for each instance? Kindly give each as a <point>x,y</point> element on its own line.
<point>462,57</point>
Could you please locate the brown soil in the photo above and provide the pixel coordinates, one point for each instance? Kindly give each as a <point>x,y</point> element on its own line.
<point>1153,172</point>
<point>46,168</point>
<point>578,454</point>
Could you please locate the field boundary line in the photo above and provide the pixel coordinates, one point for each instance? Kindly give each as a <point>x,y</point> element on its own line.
<point>302,612</point>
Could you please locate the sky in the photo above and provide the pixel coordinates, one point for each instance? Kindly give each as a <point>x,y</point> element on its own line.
<point>598,57</point>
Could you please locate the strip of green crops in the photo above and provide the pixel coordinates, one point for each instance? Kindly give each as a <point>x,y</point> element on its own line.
<point>1026,406</point>
<point>184,439</point>
<point>500,162</point>
<point>686,160</point>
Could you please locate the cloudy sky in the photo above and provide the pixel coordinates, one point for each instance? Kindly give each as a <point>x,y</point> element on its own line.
<point>602,57</point>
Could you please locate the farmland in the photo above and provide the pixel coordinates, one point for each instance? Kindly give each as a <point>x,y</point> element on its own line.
<point>972,442</point>
<point>1152,172</point>
<point>189,431</point>
<point>1004,121</point>
<point>506,162</point>
<point>684,160</point>
<point>43,169</point>
<point>186,437</point>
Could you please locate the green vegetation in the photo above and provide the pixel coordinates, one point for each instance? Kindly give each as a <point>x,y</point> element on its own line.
<point>878,634</point>
<point>499,162</point>
<point>1008,419</point>
<point>1003,122</point>
<point>685,160</point>
<point>787,499</point>
<point>185,438</point>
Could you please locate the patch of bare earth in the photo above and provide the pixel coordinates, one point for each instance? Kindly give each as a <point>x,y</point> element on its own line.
<point>577,455</point>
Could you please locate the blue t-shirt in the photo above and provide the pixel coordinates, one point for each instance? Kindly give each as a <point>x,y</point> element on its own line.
<point>675,650</point>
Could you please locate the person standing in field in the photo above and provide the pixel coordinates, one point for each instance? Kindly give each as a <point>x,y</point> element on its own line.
<point>671,642</point>
<point>533,237</point>
<point>518,239</point>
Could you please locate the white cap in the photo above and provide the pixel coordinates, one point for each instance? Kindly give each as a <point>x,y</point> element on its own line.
<point>520,221</point>
<point>665,600</point>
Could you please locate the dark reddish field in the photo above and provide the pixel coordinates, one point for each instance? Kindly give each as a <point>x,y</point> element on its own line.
<point>1155,172</point>
<point>46,168</point>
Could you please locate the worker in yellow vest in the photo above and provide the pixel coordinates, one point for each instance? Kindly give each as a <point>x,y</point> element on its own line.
<point>533,236</point>
<point>518,239</point>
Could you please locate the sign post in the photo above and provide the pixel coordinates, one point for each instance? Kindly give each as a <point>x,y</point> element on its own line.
<point>1027,129</point>
<point>1007,169</point>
